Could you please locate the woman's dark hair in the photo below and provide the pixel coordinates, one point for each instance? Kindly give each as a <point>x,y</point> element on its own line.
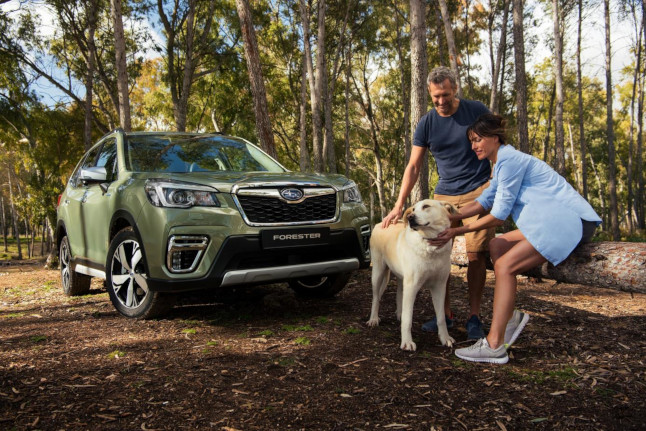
<point>488,126</point>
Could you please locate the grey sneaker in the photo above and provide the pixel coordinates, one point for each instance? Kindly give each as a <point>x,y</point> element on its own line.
<point>515,326</point>
<point>481,352</point>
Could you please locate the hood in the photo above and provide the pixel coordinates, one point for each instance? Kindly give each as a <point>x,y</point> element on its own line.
<point>225,181</point>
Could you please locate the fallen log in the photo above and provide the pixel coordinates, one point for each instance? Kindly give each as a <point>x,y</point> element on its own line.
<point>615,265</point>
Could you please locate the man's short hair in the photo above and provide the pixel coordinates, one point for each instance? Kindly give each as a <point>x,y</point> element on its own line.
<point>440,74</point>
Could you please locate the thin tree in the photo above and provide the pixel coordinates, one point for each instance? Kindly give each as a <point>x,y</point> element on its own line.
<point>315,96</point>
<point>610,133</point>
<point>263,123</point>
<point>558,80</point>
<point>91,11</point>
<point>496,64</point>
<point>521,82</point>
<point>632,202</point>
<point>450,41</point>
<point>122,72</point>
<point>304,159</point>
<point>579,87</point>
<point>419,92</point>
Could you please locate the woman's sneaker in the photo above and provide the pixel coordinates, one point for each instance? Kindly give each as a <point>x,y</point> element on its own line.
<point>481,352</point>
<point>515,326</point>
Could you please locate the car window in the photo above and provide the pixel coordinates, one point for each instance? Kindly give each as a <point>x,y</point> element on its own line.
<point>87,162</point>
<point>108,159</point>
<point>190,153</point>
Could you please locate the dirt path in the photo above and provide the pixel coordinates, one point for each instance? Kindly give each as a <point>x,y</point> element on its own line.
<point>265,360</point>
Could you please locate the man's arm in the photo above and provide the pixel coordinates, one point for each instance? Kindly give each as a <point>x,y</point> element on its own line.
<point>411,174</point>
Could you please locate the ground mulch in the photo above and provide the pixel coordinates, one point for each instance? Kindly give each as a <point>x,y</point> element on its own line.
<point>263,359</point>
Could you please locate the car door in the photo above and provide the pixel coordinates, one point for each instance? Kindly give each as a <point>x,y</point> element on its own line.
<point>96,207</point>
<point>74,197</point>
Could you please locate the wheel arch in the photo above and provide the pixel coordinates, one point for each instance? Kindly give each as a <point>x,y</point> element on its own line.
<point>122,219</point>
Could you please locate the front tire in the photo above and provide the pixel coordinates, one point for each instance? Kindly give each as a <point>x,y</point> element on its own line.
<point>127,281</point>
<point>320,286</point>
<point>74,284</point>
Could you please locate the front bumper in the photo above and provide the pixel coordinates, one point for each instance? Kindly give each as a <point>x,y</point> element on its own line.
<point>243,260</point>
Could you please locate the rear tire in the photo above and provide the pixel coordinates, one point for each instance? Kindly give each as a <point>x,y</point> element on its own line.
<point>74,284</point>
<point>126,279</point>
<point>320,286</point>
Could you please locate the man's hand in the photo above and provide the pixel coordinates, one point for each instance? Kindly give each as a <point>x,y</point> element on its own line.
<point>392,217</point>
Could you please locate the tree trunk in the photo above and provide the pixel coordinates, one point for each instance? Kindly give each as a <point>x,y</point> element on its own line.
<point>304,160</point>
<point>612,164</point>
<point>558,79</point>
<point>122,71</point>
<point>631,204</point>
<point>604,213</point>
<point>575,168</point>
<point>14,217</point>
<point>405,93</point>
<point>579,87</point>
<point>315,96</point>
<point>329,157</point>
<point>348,73</point>
<point>419,98</point>
<point>91,12</point>
<point>263,123</point>
<point>450,41</point>
<point>641,210</point>
<point>5,228</point>
<point>494,102</point>
<point>616,265</point>
<point>521,82</point>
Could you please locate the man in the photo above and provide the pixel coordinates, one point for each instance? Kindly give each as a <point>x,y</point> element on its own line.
<point>462,178</point>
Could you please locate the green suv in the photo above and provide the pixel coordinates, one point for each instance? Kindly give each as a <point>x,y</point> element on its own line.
<point>160,213</point>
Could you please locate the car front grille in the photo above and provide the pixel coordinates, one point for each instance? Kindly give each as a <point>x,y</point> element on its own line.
<point>264,209</point>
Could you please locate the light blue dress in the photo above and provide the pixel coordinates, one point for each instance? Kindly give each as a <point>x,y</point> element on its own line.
<point>547,210</point>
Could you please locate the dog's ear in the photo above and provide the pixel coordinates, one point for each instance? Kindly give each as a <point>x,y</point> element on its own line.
<point>449,207</point>
<point>406,213</point>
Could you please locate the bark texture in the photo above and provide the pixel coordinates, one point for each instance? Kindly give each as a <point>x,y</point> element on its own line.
<point>609,264</point>
<point>122,73</point>
<point>419,98</point>
<point>261,111</point>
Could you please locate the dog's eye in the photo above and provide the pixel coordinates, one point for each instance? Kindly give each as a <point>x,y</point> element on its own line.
<point>425,207</point>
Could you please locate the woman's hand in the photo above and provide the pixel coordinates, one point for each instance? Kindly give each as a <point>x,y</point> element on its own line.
<point>444,236</point>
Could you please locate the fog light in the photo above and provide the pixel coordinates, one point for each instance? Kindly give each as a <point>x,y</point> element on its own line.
<point>184,252</point>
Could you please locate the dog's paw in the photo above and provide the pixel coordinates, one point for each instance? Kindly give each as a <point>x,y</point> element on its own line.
<point>373,322</point>
<point>447,341</point>
<point>408,345</point>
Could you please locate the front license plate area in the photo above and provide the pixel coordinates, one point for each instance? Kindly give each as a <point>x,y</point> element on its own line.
<point>280,238</point>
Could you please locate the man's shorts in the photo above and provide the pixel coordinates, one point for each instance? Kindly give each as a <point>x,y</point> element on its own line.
<point>477,241</point>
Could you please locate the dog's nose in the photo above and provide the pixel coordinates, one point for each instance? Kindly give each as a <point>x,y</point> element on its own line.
<point>412,221</point>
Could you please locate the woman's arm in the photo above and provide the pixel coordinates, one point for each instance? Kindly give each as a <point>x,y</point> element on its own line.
<point>469,210</point>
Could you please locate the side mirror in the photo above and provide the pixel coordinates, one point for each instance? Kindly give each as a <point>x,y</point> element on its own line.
<point>94,174</point>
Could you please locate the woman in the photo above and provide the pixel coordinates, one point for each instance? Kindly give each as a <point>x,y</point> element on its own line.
<point>552,219</point>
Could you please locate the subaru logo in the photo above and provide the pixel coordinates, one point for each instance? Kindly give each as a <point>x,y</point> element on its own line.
<point>291,194</point>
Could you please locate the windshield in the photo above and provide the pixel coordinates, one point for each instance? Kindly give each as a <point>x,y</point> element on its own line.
<point>187,153</point>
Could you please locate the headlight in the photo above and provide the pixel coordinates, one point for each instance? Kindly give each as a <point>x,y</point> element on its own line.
<point>180,195</point>
<point>351,192</point>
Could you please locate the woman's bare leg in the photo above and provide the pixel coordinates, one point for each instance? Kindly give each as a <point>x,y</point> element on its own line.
<point>512,254</point>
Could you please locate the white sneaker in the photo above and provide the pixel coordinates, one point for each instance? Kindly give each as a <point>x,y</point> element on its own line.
<point>515,326</point>
<point>481,352</point>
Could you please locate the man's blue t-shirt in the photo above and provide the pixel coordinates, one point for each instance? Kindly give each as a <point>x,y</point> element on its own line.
<point>459,169</point>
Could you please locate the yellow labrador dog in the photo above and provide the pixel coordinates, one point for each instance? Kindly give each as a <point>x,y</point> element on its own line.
<point>404,249</point>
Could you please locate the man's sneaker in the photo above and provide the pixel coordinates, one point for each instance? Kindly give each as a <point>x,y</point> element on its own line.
<point>481,352</point>
<point>515,326</point>
<point>431,325</point>
<point>474,328</point>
